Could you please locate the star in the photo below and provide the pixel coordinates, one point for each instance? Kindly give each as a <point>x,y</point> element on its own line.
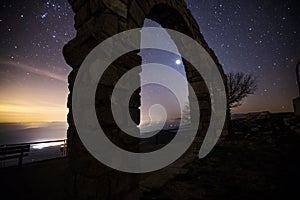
<point>43,16</point>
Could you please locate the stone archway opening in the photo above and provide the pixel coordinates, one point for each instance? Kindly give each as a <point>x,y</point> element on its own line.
<point>172,17</point>
<point>153,94</point>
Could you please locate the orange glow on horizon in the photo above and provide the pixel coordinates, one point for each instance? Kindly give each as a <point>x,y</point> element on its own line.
<point>32,95</point>
<point>31,113</point>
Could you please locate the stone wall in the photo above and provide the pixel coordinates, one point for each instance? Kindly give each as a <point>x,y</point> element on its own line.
<point>96,20</point>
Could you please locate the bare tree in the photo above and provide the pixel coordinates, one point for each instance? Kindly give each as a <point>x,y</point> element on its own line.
<point>240,85</point>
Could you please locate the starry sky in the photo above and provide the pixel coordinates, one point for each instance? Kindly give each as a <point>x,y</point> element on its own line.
<point>251,36</point>
<point>33,73</point>
<point>258,37</point>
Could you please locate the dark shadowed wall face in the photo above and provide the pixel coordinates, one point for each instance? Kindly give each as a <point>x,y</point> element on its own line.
<point>95,21</point>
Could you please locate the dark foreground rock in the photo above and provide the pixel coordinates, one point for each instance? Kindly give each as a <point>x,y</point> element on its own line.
<point>34,181</point>
<point>259,160</point>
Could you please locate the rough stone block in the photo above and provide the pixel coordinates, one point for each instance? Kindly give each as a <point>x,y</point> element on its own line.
<point>137,14</point>
<point>144,5</point>
<point>96,6</point>
<point>82,15</point>
<point>102,24</point>
<point>199,87</point>
<point>76,4</point>
<point>117,7</point>
<point>76,51</point>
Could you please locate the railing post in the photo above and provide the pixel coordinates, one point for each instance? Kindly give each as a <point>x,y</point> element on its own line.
<point>21,157</point>
<point>65,151</point>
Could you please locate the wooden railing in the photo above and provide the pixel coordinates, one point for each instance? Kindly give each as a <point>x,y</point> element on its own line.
<point>21,150</point>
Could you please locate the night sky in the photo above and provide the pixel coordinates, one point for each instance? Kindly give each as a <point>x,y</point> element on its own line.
<point>33,73</point>
<point>259,37</point>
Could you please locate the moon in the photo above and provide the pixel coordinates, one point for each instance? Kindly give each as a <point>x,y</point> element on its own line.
<point>178,62</point>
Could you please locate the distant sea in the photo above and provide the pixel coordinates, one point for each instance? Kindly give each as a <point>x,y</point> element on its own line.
<point>14,133</point>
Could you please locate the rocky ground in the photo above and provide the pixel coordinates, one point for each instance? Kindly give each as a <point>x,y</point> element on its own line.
<point>34,181</point>
<point>258,160</point>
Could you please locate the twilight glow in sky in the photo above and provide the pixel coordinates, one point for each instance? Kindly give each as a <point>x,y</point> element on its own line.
<point>259,37</point>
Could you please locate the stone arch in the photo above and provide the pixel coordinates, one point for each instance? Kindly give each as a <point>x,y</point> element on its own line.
<point>96,20</point>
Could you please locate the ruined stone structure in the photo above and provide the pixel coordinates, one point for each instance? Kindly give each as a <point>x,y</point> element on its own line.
<point>96,20</point>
